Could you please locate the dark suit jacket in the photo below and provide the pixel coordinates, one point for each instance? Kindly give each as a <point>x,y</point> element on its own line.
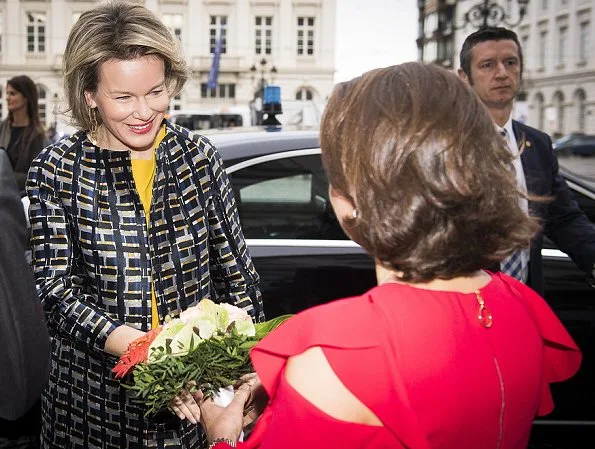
<point>563,221</point>
<point>24,338</point>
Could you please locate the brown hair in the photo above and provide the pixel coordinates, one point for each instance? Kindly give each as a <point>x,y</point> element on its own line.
<point>27,88</point>
<point>115,30</point>
<point>432,180</point>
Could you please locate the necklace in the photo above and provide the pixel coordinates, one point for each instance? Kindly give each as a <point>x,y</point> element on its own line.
<point>484,316</point>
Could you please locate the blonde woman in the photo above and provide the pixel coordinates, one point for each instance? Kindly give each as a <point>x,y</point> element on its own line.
<point>132,219</point>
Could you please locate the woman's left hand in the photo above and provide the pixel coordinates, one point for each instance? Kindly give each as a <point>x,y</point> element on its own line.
<point>257,400</point>
<point>223,422</point>
<point>185,407</point>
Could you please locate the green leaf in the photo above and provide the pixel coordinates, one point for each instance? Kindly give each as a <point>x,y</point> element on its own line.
<point>163,339</point>
<point>263,329</point>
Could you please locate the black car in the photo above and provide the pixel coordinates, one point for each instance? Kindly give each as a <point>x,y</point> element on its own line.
<point>577,144</point>
<point>304,258</point>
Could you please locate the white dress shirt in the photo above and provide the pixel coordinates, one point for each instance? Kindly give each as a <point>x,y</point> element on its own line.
<point>520,177</point>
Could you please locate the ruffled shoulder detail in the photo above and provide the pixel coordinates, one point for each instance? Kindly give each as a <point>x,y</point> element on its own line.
<point>322,325</point>
<point>562,357</point>
<point>325,326</point>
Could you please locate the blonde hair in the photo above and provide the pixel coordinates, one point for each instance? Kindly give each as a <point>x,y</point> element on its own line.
<point>116,30</point>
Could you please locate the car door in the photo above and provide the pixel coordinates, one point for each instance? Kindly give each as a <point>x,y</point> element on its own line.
<point>304,259</point>
<point>572,423</point>
<point>298,248</point>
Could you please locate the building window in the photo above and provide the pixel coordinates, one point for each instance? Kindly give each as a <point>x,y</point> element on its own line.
<point>525,44</point>
<point>430,25</point>
<point>559,107</point>
<point>540,111</point>
<point>176,103</point>
<point>174,22</point>
<point>542,48</point>
<point>304,94</point>
<point>218,29</point>
<point>581,108</point>
<point>430,51</point>
<point>584,45</point>
<point>43,104</point>
<point>544,4</point>
<point>562,41</point>
<point>221,91</point>
<point>36,32</point>
<point>263,29</point>
<point>305,36</point>
<point>444,52</point>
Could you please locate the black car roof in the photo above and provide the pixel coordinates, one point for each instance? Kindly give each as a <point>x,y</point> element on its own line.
<point>241,143</point>
<point>237,144</point>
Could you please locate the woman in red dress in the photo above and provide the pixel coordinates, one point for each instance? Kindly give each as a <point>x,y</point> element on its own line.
<point>442,353</point>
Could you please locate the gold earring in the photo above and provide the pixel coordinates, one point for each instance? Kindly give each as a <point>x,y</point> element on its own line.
<point>94,125</point>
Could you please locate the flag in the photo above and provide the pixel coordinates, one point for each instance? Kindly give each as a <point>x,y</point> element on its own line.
<point>214,72</point>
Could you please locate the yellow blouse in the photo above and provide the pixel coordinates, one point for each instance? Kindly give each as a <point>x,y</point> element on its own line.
<point>143,172</point>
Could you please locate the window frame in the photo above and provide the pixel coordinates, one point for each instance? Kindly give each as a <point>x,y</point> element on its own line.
<point>584,51</point>
<point>263,35</point>
<point>36,40</point>
<point>562,44</point>
<point>543,35</point>
<point>306,36</point>
<point>174,23</point>
<point>222,91</point>
<point>218,26</point>
<point>42,103</point>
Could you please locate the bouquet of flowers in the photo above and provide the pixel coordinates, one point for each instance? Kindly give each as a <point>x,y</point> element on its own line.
<point>206,347</point>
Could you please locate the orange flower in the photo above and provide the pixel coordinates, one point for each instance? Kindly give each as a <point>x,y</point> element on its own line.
<point>137,352</point>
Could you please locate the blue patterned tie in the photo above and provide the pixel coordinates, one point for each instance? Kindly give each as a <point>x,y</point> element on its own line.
<point>513,264</point>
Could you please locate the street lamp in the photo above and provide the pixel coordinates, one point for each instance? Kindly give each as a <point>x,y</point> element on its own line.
<point>488,13</point>
<point>262,70</point>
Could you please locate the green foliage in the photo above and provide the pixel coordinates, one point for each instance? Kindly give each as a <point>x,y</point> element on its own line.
<point>215,363</point>
<point>262,329</point>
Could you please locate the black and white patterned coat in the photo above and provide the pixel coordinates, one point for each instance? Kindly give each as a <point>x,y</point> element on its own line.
<point>95,262</point>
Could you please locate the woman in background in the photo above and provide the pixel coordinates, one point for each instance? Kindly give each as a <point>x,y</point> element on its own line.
<point>441,354</point>
<point>21,133</point>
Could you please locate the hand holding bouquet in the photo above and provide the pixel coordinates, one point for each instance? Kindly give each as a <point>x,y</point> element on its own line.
<point>206,346</point>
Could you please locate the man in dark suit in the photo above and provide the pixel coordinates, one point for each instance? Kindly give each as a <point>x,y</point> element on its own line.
<point>492,64</point>
<point>24,338</point>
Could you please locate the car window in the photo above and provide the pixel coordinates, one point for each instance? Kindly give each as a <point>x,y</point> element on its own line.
<point>286,189</point>
<point>285,199</point>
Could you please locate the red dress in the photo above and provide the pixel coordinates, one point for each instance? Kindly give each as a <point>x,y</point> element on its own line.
<point>424,364</point>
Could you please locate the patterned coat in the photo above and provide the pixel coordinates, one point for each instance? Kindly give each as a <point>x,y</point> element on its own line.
<point>94,260</point>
